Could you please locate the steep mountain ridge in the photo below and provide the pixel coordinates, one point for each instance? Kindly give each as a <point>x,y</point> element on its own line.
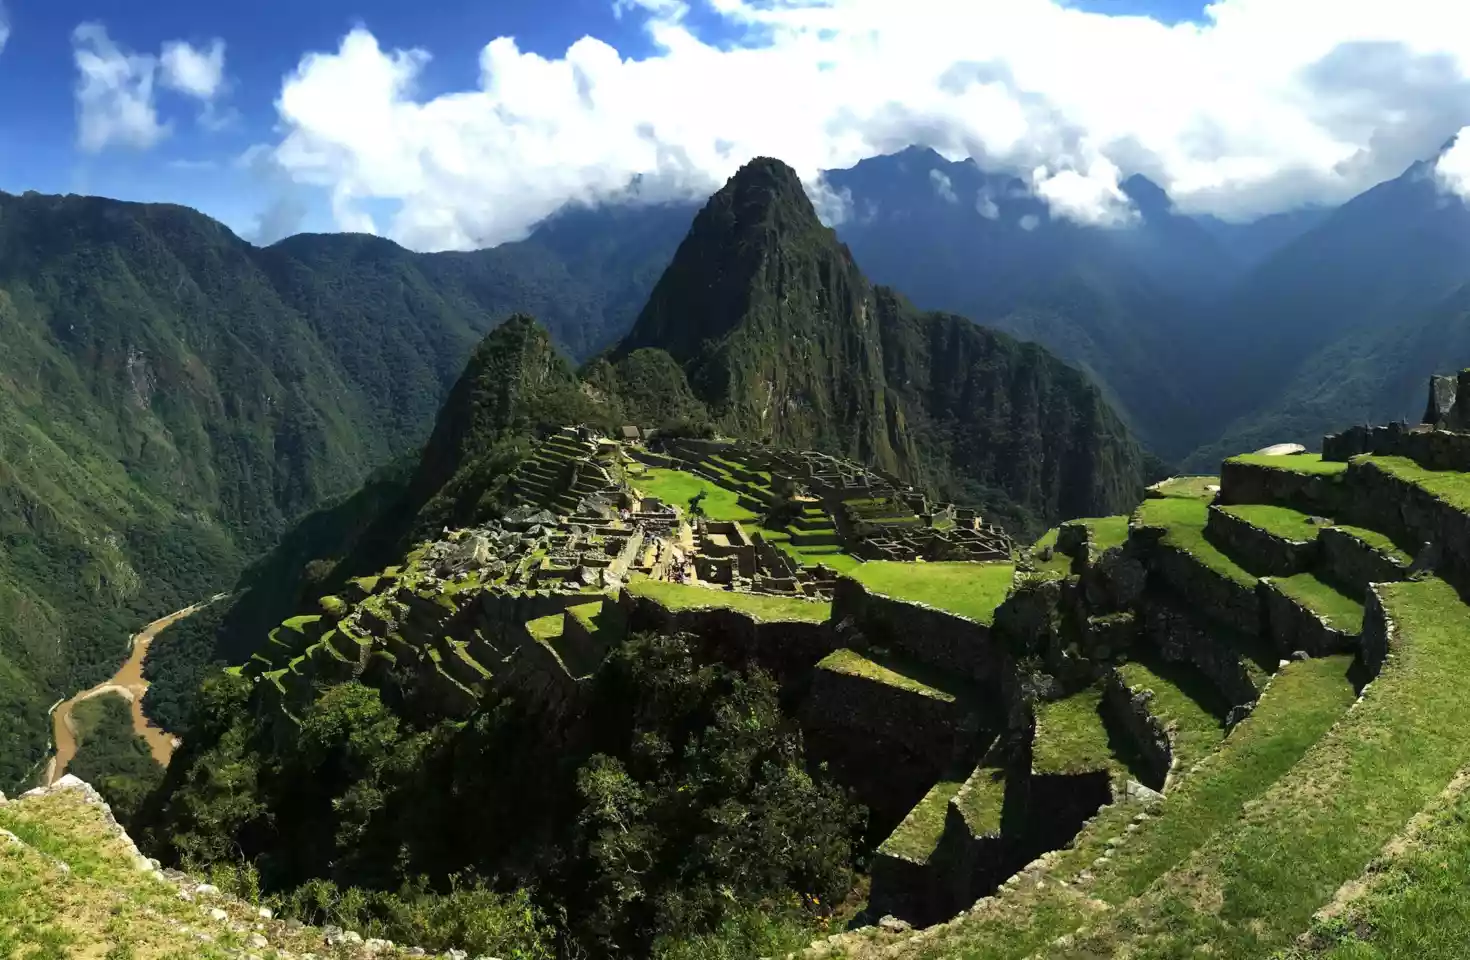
<point>784,339</point>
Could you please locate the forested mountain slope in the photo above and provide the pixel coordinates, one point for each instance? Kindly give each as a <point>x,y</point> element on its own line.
<point>172,398</point>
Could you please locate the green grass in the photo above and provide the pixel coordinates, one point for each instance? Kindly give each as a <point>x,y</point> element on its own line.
<point>1070,736</point>
<point>1414,904</point>
<point>1378,541</point>
<point>545,629</point>
<point>679,596</point>
<point>970,590</point>
<point>982,802</point>
<point>1255,886</point>
<point>1185,702</point>
<point>1450,486</point>
<point>1184,524</point>
<point>587,614</point>
<point>1107,532</point>
<point>917,836</point>
<point>1342,611</point>
<point>1187,488</point>
<point>678,487</point>
<point>1304,700</point>
<point>1060,565</point>
<point>1304,463</point>
<point>856,665</point>
<point>1282,522</point>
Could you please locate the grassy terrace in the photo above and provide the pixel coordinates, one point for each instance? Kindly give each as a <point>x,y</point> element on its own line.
<point>970,590</point>
<point>1414,905</point>
<point>1183,521</point>
<point>680,596</point>
<point>1302,703</point>
<point>1450,486</point>
<point>1255,886</point>
<point>1185,702</point>
<point>1283,522</point>
<point>1304,463</point>
<point>856,665</point>
<point>982,802</point>
<point>1107,532</point>
<point>1187,488</point>
<point>917,836</point>
<point>1342,611</point>
<point>546,629</point>
<point>1070,736</point>
<point>1060,565</point>
<point>1378,541</point>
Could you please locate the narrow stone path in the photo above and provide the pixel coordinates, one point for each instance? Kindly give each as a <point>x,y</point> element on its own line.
<point>127,683</point>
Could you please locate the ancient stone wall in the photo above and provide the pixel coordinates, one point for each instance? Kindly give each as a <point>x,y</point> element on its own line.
<point>1131,711</point>
<point>1250,483</point>
<point>1260,550</point>
<point>945,640</point>
<point>1431,448</point>
<point>1378,639</point>
<point>1180,639</point>
<point>1408,514</point>
<point>1291,627</point>
<point>1212,594</point>
<point>787,649</point>
<point>1353,564</point>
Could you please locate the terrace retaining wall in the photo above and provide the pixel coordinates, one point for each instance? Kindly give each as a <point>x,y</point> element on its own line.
<point>1292,627</point>
<point>1179,639</point>
<point>1131,712</point>
<point>1265,552</point>
<point>931,636</point>
<point>1251,483</point>
<point>1353,564</point>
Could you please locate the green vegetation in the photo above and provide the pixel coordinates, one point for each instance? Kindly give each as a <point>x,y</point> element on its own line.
<point>1303,701</point>
<point>663,816</point>
<point>1107,532</point>
<point>917,836</point>
<point>891,674</point>
<point>1342,611</point>
<point>1305,463</point>
<point>680,596</point>
<point>982,802</point>
<point>1070,736</point>
<point>1282,521</point>
<point>678,487</point>
<point>1412,903</point>
<point>970,590</point>
<point>1188,488</point>
<point>1378,541</point>
<point>1320,825</point>
<point>1185,702</point>
<point>1183,521</point>
<point>1448,485</point>
<point>111,756</point>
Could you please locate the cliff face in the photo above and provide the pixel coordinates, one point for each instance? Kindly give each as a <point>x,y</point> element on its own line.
<point>784,338</point>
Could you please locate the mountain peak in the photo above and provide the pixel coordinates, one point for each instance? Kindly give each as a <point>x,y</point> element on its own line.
<point>762,188</point>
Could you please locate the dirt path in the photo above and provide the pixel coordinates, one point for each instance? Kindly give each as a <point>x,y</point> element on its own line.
<point>127,683</point>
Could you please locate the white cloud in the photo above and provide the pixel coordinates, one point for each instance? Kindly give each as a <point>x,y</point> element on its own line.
<point>986,206</point>
<point>115,87</point>
<point>1452,170</point>
<point>114,93</point>
<point>943,186</point>
<point>199,73</point>
<point>1266,105</point>
<point>4,27</point>
<point>1030,221</point>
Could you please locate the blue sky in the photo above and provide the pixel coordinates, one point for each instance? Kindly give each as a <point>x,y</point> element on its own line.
<point>1268,105</point>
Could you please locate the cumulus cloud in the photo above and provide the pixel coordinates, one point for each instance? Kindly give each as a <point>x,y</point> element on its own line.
<point>199,73</point>
<point>1452,170</point>
<point>1263,106</point>
<point>115,90</point>
<point>943,186</point>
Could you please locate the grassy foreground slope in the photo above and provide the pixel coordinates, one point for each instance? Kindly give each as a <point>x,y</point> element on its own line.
<point>1254,887</point>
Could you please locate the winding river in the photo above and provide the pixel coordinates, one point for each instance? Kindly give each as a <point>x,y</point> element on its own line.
<point>127,683</point>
